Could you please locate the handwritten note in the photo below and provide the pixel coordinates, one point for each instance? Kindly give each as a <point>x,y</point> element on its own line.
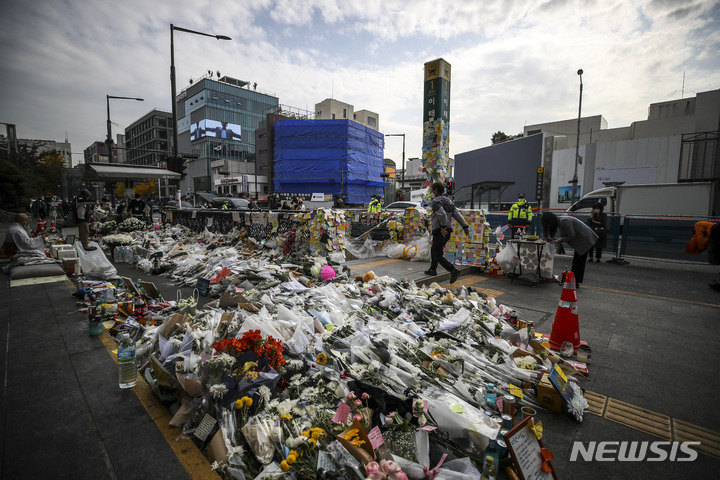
<point>342,413</point>
<point>526,451</point>
<point>375,437</point>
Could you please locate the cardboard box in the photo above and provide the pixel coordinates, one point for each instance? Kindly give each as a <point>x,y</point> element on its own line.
<point>548,396</point>
<point>57,248</point>
<point>66,253</point>
<point>69,265</point>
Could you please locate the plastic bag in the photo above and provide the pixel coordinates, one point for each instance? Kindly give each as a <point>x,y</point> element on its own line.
<point>94,263</point>
<point>508,258</point>
<point>458,469</point>
<point>423,250</point>
<point>394,250</point>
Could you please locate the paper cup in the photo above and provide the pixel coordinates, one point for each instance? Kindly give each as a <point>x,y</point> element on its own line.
<point>527,412</point>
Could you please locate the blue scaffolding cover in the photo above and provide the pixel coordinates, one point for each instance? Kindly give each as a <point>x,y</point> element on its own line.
<point>328,156</point>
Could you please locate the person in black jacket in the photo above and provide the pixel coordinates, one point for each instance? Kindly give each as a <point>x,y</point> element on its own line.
<point>598,223</point>
<point>137,207</point>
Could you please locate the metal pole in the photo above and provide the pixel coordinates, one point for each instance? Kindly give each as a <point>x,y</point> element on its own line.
<point>577,143</point>
<point>173,87</point>
<point>402,183</point>
<point>173,92</point>
<point>109,132</point>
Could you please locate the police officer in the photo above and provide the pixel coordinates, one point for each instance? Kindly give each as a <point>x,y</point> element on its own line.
<point>520,214</point>
<point>374,206</point>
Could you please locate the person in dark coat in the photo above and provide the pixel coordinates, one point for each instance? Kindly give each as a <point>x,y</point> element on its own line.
<point>137,207</point>
<point>573,232</point>
<point>598,223</point>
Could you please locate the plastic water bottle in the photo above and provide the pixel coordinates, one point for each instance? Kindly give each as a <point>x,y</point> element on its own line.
<point>126,362</point>
<point>491,397</point>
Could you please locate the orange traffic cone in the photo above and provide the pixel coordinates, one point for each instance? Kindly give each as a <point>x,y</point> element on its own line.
<point>52,226</point>
<point>39,227</point>
<point>566,327</point>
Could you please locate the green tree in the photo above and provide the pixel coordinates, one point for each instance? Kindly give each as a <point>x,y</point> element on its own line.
<point>29,173</point>
<point>12,186</point>
<point>499,137</point>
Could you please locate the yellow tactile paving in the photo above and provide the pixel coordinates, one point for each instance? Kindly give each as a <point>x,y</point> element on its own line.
<point>379,262</point>
<point>468,281</point>
<point>194,462</point>
<point>472,281</point>
<point>639,418</point>
<point>186,451</point>
<point>596,403</point>
<point>687,432</point>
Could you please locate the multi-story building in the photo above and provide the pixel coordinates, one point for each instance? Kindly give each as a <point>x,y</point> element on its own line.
<point>217,119</point>
<point>63,148</point>
<point>147,140</point>
<point>265,143</point>
<point>331,109</point>
<point>98,152</point>
<point>677,142</point>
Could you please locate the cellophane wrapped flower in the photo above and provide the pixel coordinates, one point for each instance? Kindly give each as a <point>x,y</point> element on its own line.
<point>303,455</point>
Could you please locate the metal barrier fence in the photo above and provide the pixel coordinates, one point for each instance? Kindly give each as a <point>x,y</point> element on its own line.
<point>642,236</point>
<point>222,221</point>
<point>660,237</point>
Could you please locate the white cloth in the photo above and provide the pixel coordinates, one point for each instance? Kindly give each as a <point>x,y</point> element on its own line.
<point>17,235</point>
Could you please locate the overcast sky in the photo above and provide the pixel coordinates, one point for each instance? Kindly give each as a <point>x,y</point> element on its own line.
<point>514,63</point>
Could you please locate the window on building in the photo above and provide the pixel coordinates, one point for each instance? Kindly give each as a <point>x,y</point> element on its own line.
<point>372,121</point>
<point>344,112</point>
<point>333,116</point>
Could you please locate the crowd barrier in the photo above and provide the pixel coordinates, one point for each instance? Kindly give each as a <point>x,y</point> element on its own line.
<point>658,237</point>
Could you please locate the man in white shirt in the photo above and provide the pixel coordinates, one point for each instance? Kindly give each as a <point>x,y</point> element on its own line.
<point>17,234</point>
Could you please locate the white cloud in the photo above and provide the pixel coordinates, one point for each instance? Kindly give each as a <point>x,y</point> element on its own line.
<point>513,62</point>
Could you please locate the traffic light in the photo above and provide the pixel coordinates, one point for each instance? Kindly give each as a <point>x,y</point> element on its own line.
<point>176,164</point>
<point>450,188</point>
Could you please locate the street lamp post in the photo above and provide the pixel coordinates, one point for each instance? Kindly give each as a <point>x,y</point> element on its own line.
<point>172,79</point>
<point>574,180</point>
<point>402,181</point>
<point>109,140</point>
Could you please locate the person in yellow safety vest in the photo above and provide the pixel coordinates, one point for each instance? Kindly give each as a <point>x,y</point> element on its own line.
<point>225,206</point>
<point>374,206</point>
<point>520,214</point>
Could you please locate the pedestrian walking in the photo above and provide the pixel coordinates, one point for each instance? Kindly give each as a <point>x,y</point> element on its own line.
<point>573,232</point>
<point>443,211</point>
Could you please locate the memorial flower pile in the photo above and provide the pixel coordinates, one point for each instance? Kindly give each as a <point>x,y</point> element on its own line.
<point>350,377</point>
